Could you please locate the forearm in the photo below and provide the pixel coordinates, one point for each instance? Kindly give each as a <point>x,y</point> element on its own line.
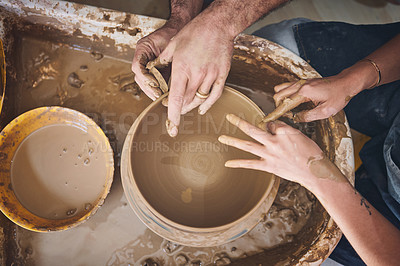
<point>183,11</point>
<point>374,238</point>
<point>363,73</point>
<point>233,16</point>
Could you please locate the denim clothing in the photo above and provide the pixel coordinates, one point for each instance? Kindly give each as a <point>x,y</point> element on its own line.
<point>282,33</point>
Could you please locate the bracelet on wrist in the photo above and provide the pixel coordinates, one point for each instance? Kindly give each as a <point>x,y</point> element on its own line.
<point>378,71</point>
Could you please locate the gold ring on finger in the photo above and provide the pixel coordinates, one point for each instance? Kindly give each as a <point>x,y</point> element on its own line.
<point>202,95</point>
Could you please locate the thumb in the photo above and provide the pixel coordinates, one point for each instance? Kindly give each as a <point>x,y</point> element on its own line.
<point>166,56</point>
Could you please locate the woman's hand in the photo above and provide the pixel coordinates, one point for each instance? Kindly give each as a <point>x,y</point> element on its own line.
<point>283,151</point>
<point>330,95</point>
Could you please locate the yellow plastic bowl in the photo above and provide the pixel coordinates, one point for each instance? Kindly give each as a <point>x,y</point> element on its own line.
<point>13,135</point>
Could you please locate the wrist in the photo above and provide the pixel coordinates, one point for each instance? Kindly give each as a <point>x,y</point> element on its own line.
<point>231,17</point>
<point>360,76</point>
<point>322,175</point>
<point>182,12</point>
<point>175,24</point>
<point>215,25</point>
<point>228,18</point>
<point>327,192</point>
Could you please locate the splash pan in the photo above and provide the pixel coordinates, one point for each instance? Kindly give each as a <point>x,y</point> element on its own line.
<point>76,56</point>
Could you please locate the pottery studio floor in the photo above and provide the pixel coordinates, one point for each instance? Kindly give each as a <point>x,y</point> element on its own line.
<point>351,11</point>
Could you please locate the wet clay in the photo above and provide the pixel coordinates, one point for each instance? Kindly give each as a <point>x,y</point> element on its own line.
<point>184,178</point>
<point>115,235</point>
<point>59,171</point>
<point>161,81</point>
<point>186,195</point>
<point>287,105</point>
<point>322,167</point>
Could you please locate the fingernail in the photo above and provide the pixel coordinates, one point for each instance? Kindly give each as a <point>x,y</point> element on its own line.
<point>165,102</point>
<point>222,139</point>
<point>202,111</point>
<point>157,94</point>
<point>174,132</point>
<point>185,109</point>
<point>228,164</point>
<point>271,126</point>
<point>171,128</point>
<point>233,119</point>
<point>153,84</point>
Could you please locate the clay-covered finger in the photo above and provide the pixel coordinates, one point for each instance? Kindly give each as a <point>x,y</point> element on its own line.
<point>248,164</point>
<point>287,92</point>
<point>148,85</point>
<point>160,79</point>
<point>147,82</point>
<point>157,63</point>
<point>287,105</point>
<point>152,68</point>
<point>165,57</point>
<point>164,101</point>
<point>282,86</point>
<point>243,145</point>
<point>254,132</point>
<point>175,100</point>
<point>318,113</point>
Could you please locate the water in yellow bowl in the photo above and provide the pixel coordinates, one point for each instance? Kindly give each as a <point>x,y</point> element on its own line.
<point>59,170</point>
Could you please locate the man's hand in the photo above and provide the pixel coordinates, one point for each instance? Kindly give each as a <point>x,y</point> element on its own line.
<point>151,46</point>
<point>201,59</point>
<point>201,54</point>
